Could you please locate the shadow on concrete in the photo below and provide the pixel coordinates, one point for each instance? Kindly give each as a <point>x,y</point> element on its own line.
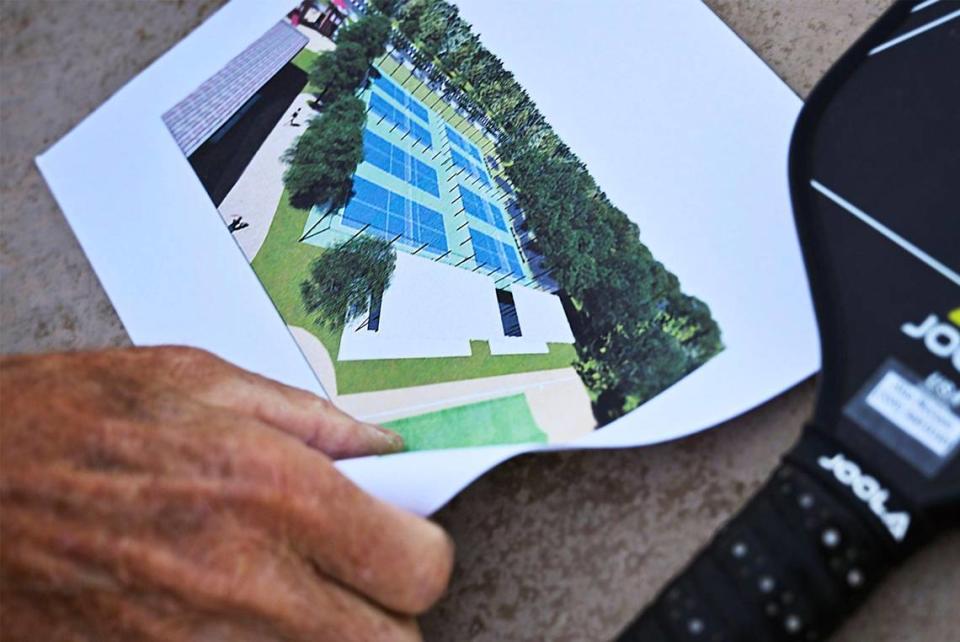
<point>220,161</point>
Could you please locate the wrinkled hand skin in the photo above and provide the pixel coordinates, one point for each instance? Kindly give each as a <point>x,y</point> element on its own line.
<point>164,494</point>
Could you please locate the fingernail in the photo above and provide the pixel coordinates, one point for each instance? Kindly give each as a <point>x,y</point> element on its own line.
<point>396,441</point>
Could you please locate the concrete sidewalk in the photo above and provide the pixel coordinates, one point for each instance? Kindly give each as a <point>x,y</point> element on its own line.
<point>257,192</point>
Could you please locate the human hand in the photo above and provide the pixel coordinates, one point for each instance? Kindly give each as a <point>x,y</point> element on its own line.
<point>164,494</point>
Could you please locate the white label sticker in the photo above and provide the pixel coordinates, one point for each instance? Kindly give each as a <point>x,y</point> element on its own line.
<point>916,412</point>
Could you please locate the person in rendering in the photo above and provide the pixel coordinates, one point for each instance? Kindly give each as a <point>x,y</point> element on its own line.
<point>237,224</point>
<point>165,494</point>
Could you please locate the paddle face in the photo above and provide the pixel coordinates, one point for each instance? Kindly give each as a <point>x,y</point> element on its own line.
<point>875,180</point>
<point>875,176</point>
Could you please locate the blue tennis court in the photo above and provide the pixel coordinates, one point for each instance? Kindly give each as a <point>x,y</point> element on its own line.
<point>390,214</point>
<point>481,209</point>
<point>380,107</point>
<point>491,253</point>
<point>462,143</point>
<point>381,153</point>
<point>402,98</point>
<point>461,161</point>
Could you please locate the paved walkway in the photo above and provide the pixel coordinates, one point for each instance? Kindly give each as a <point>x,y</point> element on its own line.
<point>257,192</point>
<point>317,42</point>
<point>557,399</point>
<point>563,409</point>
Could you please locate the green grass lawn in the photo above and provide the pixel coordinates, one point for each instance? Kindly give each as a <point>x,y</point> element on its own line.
<point>304,60</point>
<point>282,264</point>
<point>486,423</point>
<point>386,374</point>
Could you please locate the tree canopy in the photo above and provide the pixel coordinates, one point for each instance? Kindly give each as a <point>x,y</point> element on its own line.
<point>386,7</point>
<point>346,68</point>
<point>340,71</point>
<point>636,331</point>
<point>322,161</point>
<point>343,279</point>
<point>370,33</point>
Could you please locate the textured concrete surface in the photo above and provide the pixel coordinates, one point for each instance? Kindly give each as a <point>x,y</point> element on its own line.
<point>550,547</point>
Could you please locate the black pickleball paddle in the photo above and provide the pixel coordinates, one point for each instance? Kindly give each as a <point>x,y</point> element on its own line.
<point>875,179</point>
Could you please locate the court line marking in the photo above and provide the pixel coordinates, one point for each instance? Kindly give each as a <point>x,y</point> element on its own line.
<point>923,5</point>
<point>886,231</point>
<point>915,32</point>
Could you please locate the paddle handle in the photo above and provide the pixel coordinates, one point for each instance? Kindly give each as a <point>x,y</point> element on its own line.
<point>790,566</point>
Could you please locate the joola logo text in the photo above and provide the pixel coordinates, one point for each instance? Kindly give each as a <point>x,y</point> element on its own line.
<point>868,490</point>
<point>940,337</point>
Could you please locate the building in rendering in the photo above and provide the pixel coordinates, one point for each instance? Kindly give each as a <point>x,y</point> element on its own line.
<point>198,116</point>
<point>324,17</point>
<point>464,272</point>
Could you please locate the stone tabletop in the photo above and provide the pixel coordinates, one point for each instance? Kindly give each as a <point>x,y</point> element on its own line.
<point>550,546</point>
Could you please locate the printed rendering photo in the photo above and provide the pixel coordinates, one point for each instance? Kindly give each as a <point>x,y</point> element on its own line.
<point>448,266</point>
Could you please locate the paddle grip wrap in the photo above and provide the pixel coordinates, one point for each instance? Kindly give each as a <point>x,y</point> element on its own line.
<point>790,566</point>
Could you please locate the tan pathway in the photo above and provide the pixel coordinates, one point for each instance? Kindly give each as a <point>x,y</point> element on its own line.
<point>317,42</point>
<point>562,410</point>
<point>318,358</point>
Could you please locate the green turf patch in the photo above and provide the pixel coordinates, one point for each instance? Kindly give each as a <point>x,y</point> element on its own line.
<point>497,421</point>
<point>304,60</point>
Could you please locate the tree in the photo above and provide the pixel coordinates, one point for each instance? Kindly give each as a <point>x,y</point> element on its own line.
<point>370,33</point>
<point>459,44</point>
<point>386,7</point>
<point>437,19</point>
<point>344,277</point>
<point>409,16</point>
<point>637,332</point>
<point>323,160</point>
<point>345,69</point>
<point>689,320</point>
<point>340,71</point>
<point>634,364</point>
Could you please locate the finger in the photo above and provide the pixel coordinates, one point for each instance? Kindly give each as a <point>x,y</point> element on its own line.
<point>43,407</point>
<point>87,407</point>
<point>312,419</point>
<point>311,619</point>
<point>112,616</point>
<point>396,558</point>
<point>222,583</point>
<point>399,560</point>
<point>26,617</point>
<point>301,604</point>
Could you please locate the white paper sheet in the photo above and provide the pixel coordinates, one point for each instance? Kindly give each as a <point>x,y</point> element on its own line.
<point>680,123</point>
